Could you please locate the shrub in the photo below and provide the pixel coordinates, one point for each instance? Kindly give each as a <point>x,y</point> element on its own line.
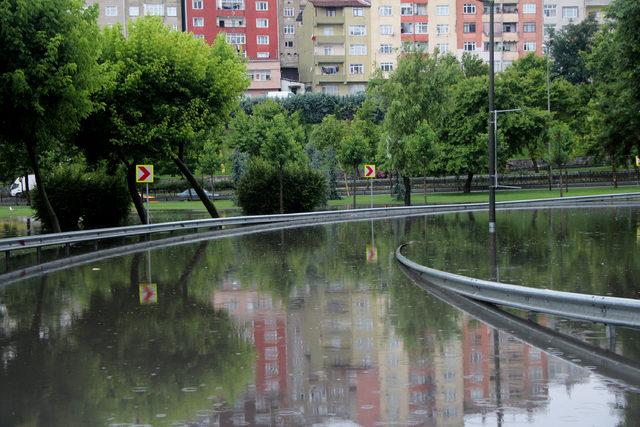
<point>87,199</point>
<point>258,189</point>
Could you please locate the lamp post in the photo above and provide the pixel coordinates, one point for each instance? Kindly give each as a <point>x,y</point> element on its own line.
<point>492,123</point>
<point>548,111</point>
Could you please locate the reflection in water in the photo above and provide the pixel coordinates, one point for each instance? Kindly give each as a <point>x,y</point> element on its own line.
<point>300,327</point>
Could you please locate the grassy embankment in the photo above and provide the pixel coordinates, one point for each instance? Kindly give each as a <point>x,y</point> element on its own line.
<point>379,199</point>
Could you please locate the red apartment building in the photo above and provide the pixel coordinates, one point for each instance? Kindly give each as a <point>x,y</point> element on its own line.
<point>251,26</point>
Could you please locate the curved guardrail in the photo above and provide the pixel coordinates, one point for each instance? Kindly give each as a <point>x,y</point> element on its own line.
<point>38,241</point>
<point>566,347</point>
<point>596,308</point>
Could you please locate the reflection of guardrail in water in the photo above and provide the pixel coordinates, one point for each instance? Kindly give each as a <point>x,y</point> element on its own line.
<point>605,362</point>
<point>610,310</point>
<point>64,239</point>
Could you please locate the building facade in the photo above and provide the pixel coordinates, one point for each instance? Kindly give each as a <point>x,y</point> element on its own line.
<point>251,26</point>
<point>334,43</point>
<point>113,12</point>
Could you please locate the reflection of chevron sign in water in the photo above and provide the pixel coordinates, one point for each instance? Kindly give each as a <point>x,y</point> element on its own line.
<point>148,293</point>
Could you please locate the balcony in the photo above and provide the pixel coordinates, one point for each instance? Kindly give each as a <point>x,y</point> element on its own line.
<point>329,20</point>
<point>329,59</point>
<point>332,39</point>
<point>339,77</point>
<point>597,3</point>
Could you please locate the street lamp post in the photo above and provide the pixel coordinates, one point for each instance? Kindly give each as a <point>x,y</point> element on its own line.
<point>492,122</point>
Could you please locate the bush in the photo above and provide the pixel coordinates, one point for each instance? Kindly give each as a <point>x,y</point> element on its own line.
<point>87,199</point>
<point>258,189</point>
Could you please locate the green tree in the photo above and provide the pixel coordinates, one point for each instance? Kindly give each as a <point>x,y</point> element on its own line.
<point>418,90</point>
<point>48,72</point>
<point>562,141</point>
<point>327,137</point>
<point>351,153</point>
<point>570,46</point>
<point>171,93</point>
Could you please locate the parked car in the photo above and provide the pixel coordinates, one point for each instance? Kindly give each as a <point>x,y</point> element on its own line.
<point>19,185</point>
<point>191,194</point>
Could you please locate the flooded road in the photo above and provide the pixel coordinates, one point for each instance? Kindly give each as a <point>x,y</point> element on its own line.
<point>318,326</point>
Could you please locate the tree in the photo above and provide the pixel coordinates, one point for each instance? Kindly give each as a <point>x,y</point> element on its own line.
<point>351,153</point>
<point>570,46</point>
<point>327,137</point>
<point>562,141</point>
<point>48,72</point>
<point>280,148</point>
<point>421,151</point>
<point>417,90</point>
<point>171,93</point>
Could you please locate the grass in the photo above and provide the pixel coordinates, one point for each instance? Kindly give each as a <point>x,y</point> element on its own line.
<point>382,199</point>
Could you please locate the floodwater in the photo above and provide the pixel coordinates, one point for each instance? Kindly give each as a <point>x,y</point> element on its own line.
<point>318,326</point>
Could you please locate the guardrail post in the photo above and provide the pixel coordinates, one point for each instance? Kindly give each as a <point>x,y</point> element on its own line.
<point>7,260</point>
<point>38,254</point>
<point>611,337</point>
<point>95,245</point>
<point>67,249</point>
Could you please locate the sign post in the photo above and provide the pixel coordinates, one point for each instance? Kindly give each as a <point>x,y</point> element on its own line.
<point>370,172</point>
<point>144,173</point>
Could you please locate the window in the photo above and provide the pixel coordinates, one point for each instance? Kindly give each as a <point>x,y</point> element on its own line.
<point>406,28</point>
<point>263,39</point>
<point>421,9</point>
<point>262,23</point>
<point>469,9</point>
<point>386,30</point>
<point>134,11</point>
<point>231,4</point>
<point>235,38</point>
<point>469,27</point>
<point>529,27</point>
<point>263,55</point>
<point>549,10</point>
<point>421,28</point>
<point>443,47</point>
<point>330,11</point>
<point>529,46</point>
<point>529,8</point>
<point>111,11</point>
<point>288,43</point>
<point>327,30</point>
<point>442,10</point>
<point>198,36</point>
<point>330,89</point>
<point>288,12</point>
<point>261,75</point>
<point>570,12</point>
<point>386,48</point>
<point>289,29</point>
<point>406,9</point>
<point>330,69</point>
<point>262,5</point>
<point>154,9</point>
<point>328,50</point>
<point>509,27</point>
<point>357,88</point>
<point>512,8</point>
<point>357,30</point>
<point>358,49</point>
<point>358,11</point>
<point>386,66</point>
<point>198,22</point>
<point>172,11</point>
<point>442,29</point>
<point>469,46</point>
<point>196,4</point>
<point>385,10</point>
<point>356,69</point>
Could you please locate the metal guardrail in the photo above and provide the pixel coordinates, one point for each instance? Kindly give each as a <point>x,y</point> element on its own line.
<point>565,347</point>
<point>596,308</point>
<point>61,239</point>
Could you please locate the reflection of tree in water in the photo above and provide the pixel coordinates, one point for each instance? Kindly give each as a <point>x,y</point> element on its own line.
<point>123,360</point>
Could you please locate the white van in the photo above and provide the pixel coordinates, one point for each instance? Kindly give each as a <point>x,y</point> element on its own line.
<point>20,186</point>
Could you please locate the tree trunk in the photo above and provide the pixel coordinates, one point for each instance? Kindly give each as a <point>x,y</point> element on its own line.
<point>133,193</point>
<point>614,173</point>
<point>35,165</point>
<point>425,187</point>
<point>535,164</point>
<point>196,186</point>
<point>346,183</point>
<point>566,180</point>
<point>407,190</point>
<point>355,175</point>
<point>561,193</point>
<point>467,183</point>
<point>280,179</point>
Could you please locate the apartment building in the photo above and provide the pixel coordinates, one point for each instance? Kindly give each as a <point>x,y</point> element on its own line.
<point>249,25</point>
<point>288,12</point>
<point>114,12</point>
<point>559,13</point>
<point>334,40</point>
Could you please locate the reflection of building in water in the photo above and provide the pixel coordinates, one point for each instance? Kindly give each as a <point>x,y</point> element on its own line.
<point>265,321</point>
<point>449,382</point>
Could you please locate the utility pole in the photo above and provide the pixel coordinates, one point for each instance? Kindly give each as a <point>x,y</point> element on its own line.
<point>492,118</point>
<point>548,111</point>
